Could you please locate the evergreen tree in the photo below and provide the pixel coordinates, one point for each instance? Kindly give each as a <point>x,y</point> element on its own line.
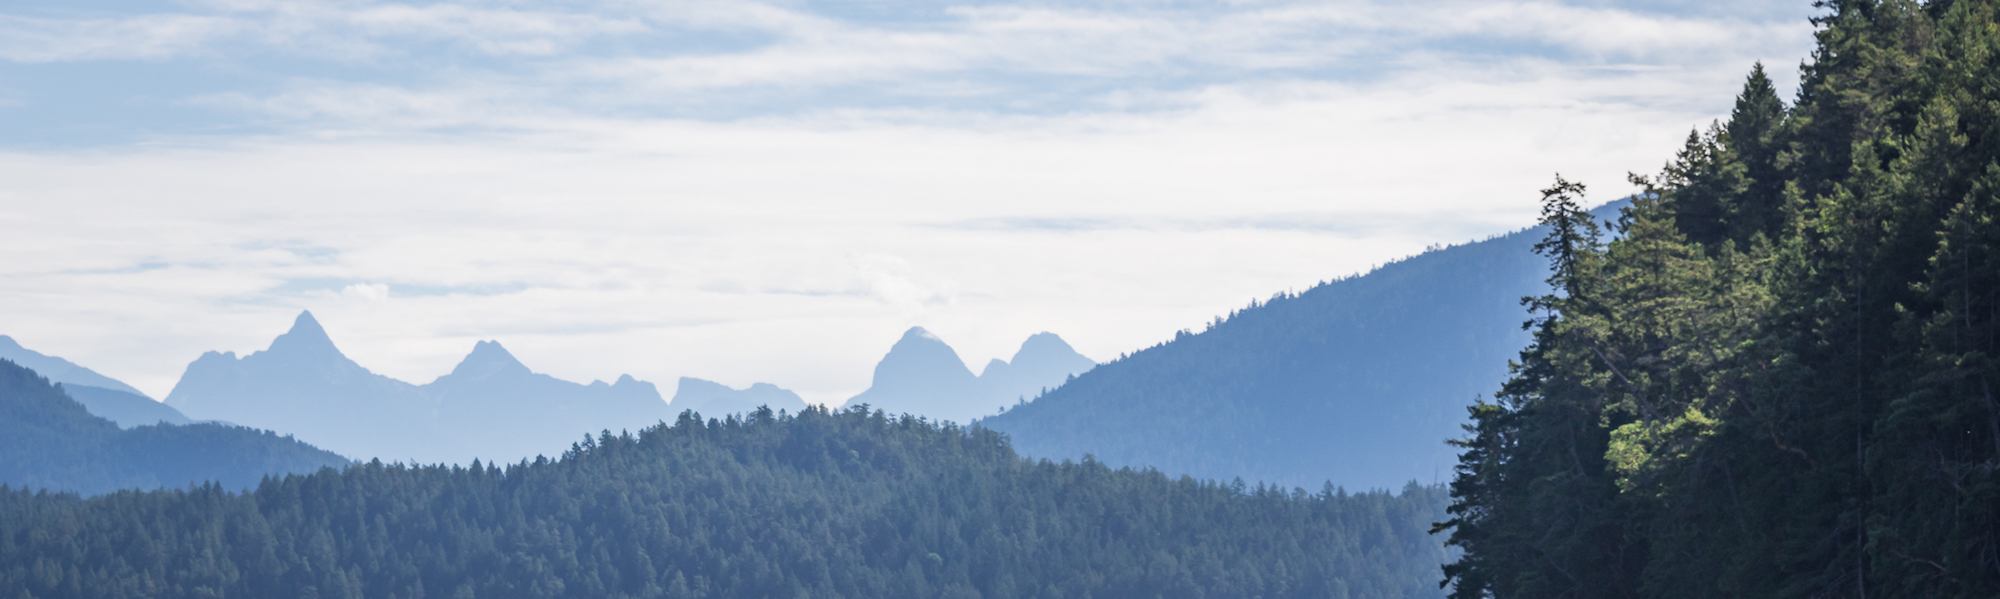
<point>1753,137</point>
<point>1789,348</point>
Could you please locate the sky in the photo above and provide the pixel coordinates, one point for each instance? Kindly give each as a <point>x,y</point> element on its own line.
<point>772,192</point>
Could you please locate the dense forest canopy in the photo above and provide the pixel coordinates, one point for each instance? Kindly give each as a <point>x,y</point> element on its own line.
<point>1778,381</point>
<point>847,503</point>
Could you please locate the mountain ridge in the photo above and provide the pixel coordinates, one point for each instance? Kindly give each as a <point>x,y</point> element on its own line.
<point>1357,380</point>
<point>923,375</point>
<point>491,406</point>
<point>715,400</point>
<point>53,443</point>
<point>102,396</point>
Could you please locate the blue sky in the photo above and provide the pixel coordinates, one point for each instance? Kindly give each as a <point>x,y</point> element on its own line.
<point>774,191</point>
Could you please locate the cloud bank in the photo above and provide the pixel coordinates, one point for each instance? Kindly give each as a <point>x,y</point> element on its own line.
<point>772,192</point>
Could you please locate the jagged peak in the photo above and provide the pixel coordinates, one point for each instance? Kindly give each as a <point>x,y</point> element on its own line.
<point>488,357</point>
<point>920,341</point>
<point>306,334</point>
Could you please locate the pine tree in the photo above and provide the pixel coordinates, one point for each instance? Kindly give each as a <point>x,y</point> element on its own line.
<point>1753,136</point>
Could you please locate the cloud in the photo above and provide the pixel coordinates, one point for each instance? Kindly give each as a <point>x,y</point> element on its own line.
<point>324,29</point>
<point>373,292</point>
<point>757,192</point>
<point>40,40</point>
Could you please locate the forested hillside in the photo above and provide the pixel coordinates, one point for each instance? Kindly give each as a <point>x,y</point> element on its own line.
<point>1779,381</point>
<point>822,504</point>
<point>50,442</point>
<point>103,396</point>
<point>1356,381</point>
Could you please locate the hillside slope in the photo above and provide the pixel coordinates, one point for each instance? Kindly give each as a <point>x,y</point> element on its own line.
<point>51,442</point>
<point>103,396</point>
<point>1357,381</point>
<point>125,409</point>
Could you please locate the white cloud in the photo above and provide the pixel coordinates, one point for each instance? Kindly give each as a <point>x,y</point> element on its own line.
<point>786,250</point>
<point>337,30</point>
<point>373,292</point>
<point>39,40</point>
<point>555,197</point>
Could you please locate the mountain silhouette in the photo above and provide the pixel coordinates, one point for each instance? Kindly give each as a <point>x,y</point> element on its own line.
<point>52,442</point>
<point>715,400</point>
<point>103,396</point>
<point>302,385</point>
<point>1042,363</point>
<point>1356,381</point>
<point>489,407</point>
<point>497,408</point>
<point>923,375</point>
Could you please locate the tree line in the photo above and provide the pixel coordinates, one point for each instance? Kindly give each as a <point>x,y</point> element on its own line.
<point>847,503</point>
<point>1777,378</point>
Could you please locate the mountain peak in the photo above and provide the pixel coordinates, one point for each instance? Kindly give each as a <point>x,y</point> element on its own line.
<point>488,358</point>
<point>919,344</point>
<point>305,335</point>
<point>1044,344</point>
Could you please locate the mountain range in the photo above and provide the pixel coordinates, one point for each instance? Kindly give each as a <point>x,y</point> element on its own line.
<point>713,399</point>
<point>1354,381</point>
<point>1357,381</point>
<point>490,407</point>
<point>923,375</point>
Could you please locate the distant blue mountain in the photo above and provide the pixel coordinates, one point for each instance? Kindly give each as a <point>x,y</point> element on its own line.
<point>715,400</point>
<point>1043,362</point>
<point>923,375</point>
<point>494,407</point>
<point>490,407</point>
<point>103,396</point>
<point>51,442</point>
<point>125,409</point>
<point>304,386</point>
<point>58,369</point>
<point>1357,381</point>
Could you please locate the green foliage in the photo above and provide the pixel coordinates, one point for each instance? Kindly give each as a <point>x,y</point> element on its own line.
<point>1785,364</point>
<point>847,503</point>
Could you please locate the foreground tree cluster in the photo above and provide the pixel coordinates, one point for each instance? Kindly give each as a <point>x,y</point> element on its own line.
<point>1774,375</point>
<point>847,503</point>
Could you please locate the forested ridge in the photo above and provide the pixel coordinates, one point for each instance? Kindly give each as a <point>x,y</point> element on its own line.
<point>1356,380</point>
<point>848,503</point>
<point>1778,379</point>
<point>51,442</point>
